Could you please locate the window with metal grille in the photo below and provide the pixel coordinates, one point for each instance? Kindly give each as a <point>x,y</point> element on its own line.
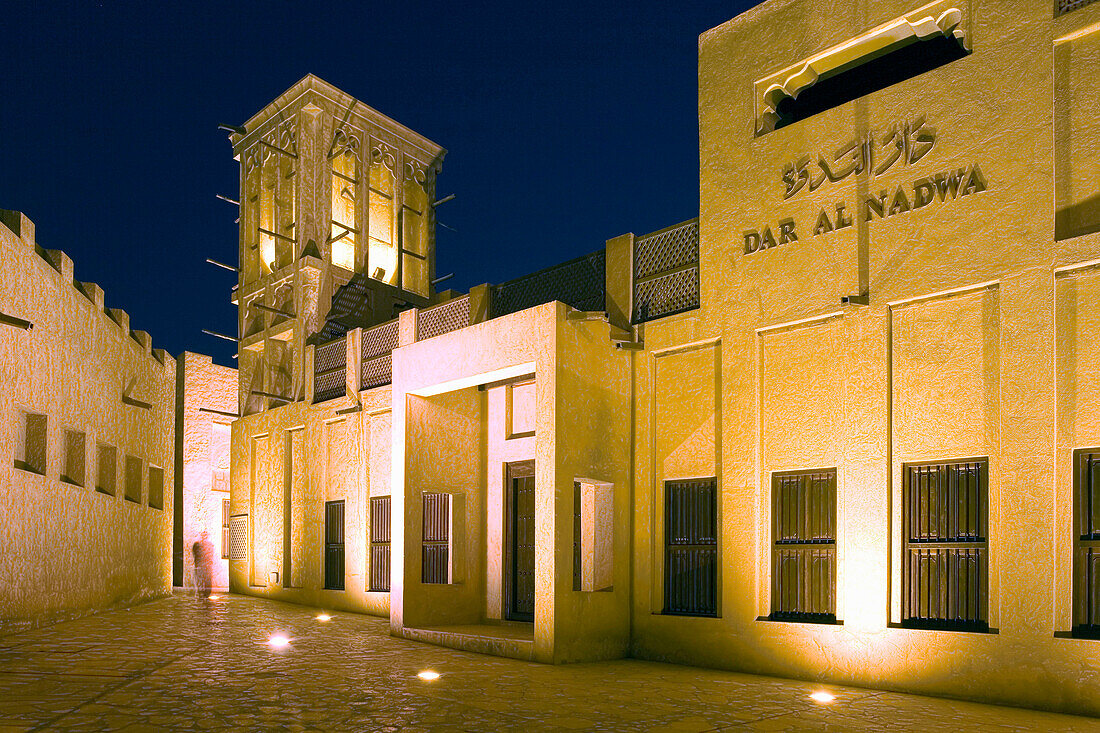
<point>437,539</point>
<point>238,537</point>
<point>1066,6</point>
<point>804,546</point>
<point>225,529</point>
<point>334,545</point>
<point>945,553</point>
<point>156,488</point>
<point>691,547</point>
<point>577,535</point>
<point>380,543</point>
<point>1086,543</point>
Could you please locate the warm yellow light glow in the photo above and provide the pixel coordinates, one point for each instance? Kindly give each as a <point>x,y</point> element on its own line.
<point>428,675</point>
<point>267,250</point>
<point>323,617</point>
<point>278,641</point>
<point>343,253</point>
<point>214,598</point>
<point>822,697</point>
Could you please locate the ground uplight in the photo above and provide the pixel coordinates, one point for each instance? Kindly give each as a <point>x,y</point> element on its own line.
<point>323,617</point>
<point>428,675</point>
<point>820,696</point>
<point>213,597</point>
<point>278,641</point>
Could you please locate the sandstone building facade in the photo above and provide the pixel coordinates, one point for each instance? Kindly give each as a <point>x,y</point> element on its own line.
<point>844,425</point>
<point>844,421</point>
<point>86,410</point>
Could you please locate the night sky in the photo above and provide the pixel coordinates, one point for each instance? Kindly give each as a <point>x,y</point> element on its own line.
<point>566,125</point>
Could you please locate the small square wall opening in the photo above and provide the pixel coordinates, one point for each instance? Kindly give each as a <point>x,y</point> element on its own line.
<point>75,457</point>
<point>30,450</point>
<point>156,487</point>
<point>133,479</point>
<point>106,469</point>
<point>594,520</point>
<point>521,409</point>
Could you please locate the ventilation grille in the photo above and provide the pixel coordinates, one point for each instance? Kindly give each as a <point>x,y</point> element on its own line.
<point>238,537</point>
<point>578,283</point>
<point>441,319</point>
<point>666,272</point>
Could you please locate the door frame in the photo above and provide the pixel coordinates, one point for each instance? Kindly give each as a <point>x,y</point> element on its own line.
<point>513,470</point>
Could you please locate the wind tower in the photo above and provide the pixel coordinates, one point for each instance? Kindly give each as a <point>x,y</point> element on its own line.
<point>336,207</point>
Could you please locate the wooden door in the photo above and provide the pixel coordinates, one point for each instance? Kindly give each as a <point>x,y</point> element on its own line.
<point>520,555</point>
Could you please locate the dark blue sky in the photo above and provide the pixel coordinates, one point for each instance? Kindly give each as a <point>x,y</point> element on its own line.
<point>565,125</point>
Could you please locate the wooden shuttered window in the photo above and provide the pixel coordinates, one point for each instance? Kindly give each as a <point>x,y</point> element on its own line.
<point>1086,543</point>
<point>945,556</point>
<point>225,528</point>
<point>437,538</point>
<point>334,545</point>
<point>380,543</point>
<point>804,546</point>
<point>691,547</point>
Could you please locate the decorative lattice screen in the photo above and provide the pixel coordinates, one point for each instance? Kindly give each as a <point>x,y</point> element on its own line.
<point>666,272</point>
<point>238,537</point>
<point>578,283</point>
<point>1065,6</point>
<point>450,316</point>
<point>329,369</point>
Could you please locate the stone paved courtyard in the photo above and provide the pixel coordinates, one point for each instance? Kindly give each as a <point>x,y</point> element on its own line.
<point>184,664</point>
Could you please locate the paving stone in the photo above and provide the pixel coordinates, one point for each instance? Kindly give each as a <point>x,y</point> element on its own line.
<point>175,664</point>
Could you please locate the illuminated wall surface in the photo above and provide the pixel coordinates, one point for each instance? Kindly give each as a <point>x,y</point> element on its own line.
<point>86,416</point>
<point>844,426</point>
<point>206,408</point>
<point>895,286</point>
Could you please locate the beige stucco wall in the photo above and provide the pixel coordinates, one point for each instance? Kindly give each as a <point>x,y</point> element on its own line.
<point>450,436</point>
<point>66,550</point>
<point>972,343</point>
<point>296,458</point>
<point>205,449</point>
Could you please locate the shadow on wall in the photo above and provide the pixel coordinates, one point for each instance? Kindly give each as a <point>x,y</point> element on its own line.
<point>1078,219</point>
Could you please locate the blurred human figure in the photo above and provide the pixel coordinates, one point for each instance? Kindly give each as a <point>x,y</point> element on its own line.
<point>203,553</point>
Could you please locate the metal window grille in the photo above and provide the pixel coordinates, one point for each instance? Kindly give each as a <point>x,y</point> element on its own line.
<point>238,537</point>
<point>666,272</point>
<point>579,283</point>
<point>441,319</point>
<point>691,547</point>
<point>334,545</point>
<point>1086,543</point>
<point>1066,6</point>
<point>437,537</point>
<point>329,369</point>
<point>225,529</point>
<point>804,546</point>
<point>380,543</point>
<point>577,562</point>
<point>946,551</point>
